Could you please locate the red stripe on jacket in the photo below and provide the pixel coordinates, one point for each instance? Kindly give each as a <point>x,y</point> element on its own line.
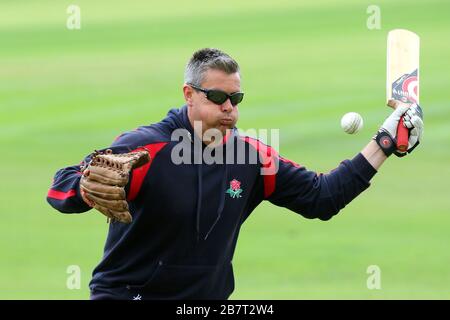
<point>139,174</point>
<point>61,195</point>
<point>269,158</point>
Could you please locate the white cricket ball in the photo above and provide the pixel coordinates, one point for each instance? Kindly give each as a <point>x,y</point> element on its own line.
<point>351,122</point>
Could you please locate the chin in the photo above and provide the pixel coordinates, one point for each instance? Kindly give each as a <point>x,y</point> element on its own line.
<point>222,129</point>
<point>226,127</point>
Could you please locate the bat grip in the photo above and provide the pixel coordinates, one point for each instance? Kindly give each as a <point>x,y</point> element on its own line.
<point>402,136</point>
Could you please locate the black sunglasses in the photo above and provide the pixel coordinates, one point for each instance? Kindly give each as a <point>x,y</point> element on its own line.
<point>219,97</point>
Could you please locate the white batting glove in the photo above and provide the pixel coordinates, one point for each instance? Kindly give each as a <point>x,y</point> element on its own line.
<point>386,137</point>
<point>391,123</point>
<point>413,119</point>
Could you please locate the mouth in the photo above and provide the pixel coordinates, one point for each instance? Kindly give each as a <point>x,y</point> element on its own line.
<point>226,121</point>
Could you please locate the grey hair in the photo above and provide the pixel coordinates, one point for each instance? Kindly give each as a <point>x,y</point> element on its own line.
<point>205,59</point>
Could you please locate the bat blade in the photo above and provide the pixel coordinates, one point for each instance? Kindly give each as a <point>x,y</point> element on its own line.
<point>402,83</point>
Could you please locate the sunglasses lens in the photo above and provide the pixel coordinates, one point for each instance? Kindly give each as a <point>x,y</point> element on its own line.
<point>216,96</point>
<point>219,97</point>
<point>236,98</point>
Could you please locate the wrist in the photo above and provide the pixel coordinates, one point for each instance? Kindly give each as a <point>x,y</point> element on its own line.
<point>385,142</point>
<point>374,155</point>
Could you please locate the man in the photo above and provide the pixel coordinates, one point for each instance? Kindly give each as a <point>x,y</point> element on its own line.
<point>187,214</point>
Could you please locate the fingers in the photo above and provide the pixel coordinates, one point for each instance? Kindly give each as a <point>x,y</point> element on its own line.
<point>399,106</point>
<point>121,216</point>
<point>418,111</point>
<point>109,200</point>
<point>416,122</point>
<point>102,190</point>
<point>117,205</point>
<point>414,112</point>
<point>103,182</point>
<point>113,209</point>
<point>418,125</point>
<point>108,177</point>
<point>142,158</point>
<point>400,111</point>
<point>85,199</point>
<point>412,119</point>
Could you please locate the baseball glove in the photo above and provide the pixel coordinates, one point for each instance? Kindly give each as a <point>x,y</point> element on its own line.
<point>104,179</point>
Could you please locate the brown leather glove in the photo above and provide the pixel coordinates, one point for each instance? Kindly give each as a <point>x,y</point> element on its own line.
<point>103,182</point>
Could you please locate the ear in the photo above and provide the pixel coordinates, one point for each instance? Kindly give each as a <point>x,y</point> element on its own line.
<point>187,91</point>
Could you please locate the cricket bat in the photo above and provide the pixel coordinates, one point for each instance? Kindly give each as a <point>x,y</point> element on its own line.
<point>402,81</point>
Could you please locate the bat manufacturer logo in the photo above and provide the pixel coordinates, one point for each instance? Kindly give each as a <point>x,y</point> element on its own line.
<point>405,88</point>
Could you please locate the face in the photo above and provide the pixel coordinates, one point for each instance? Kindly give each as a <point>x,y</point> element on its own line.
<point>221,117</point>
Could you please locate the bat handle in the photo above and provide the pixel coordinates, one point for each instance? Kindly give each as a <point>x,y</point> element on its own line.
<point>402,136</point>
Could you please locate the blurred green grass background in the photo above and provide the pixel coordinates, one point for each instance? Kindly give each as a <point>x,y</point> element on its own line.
<point>64,93</point>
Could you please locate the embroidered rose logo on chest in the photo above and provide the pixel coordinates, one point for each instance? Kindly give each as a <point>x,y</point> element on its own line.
<point>235,189</point>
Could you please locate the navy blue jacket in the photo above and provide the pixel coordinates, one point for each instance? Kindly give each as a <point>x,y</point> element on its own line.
<point>187,217</point>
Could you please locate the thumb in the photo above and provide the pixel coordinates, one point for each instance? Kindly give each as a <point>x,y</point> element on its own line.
<point>400,110</point>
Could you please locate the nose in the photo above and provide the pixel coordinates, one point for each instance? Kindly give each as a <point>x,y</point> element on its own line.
<point>227,106</point>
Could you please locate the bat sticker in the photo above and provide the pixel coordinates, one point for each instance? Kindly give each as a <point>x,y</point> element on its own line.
<point>405,88</point>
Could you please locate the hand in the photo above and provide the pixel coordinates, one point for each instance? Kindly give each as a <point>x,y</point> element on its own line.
<point>412,120</point>
<point>108,199</point>
<point>391,123</point>
<point>84,196</point>
<point>102,185</point>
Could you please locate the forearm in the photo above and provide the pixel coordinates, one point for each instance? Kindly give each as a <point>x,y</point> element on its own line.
<point>373,154</point>
<point>321,195</point>
<point>64,194</point>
